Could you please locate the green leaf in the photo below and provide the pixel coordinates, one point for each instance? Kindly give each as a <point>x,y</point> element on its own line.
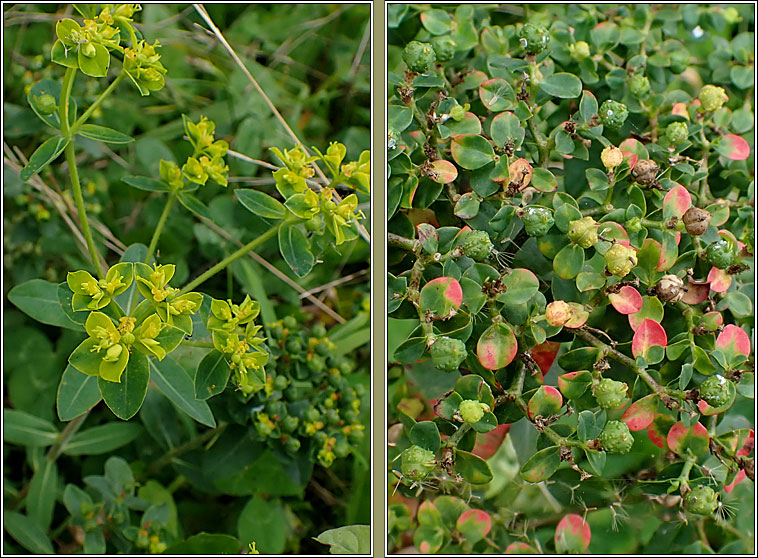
<point>562,85</point>
<point>541,465</point>
<point>521,285</point>
<point>103,439</point>
<point>27,533</point>
<point>175,383</point>
<point>569,261</point>
<point>260,204</point>
<point>106,135</point>
<point>296,250</point>
<point>506,126</point>
<point>587,106</point>
<point>98,65</point>
<point>67,57</point>
<point>27,430</point>
<point>194,205</point>
<point>597,179</point>
<point>399,118</point>
<point>543,180</point>
<point>147,184</point>
<point>207,544</point>
<point>426,434</point>
<point>43,491</point>
<point>125,398</point>
<point>77,393</point>
<point>265,522</point>
<point>437,22</point>
<point>350,539</point>
<point>212,375</point>
<point>39,299</point>
<point>472,151</point>
<point>472,468</point>
<point>43,156</point>
<point>497,95</point>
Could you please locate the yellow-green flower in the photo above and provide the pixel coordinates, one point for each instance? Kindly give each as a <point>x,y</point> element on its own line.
<point>194,171</point>
<point>94,294</point>
<point>103,353</point>
<point>358,173</point>
<point>142,64</point>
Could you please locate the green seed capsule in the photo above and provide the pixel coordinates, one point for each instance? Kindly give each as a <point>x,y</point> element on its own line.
<point>537,220</point>
<point>448,353</point>
<point>616,438</point>
<point>419,57</point>
<point>613,114</point>
<point>715,391</point>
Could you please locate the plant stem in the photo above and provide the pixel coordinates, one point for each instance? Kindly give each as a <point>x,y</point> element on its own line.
<point>84,117</point>
<point>76,188</point>
<point>250,246</point>
<point>401,242</point>
<point>599,210</point>
<point>460,433</point>
<point>159,227</point>
<point>166,458</point>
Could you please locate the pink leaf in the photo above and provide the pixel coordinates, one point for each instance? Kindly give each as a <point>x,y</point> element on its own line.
<point>734,339</point>
<point>641,413</point>
<point>680,109</point>
<point>488,443</point>
<point>627,301</point>
<point>648,334</point>
<point>676,202</point>
<point>572,534</point>
<point>478,520</point>
<point>736,148</point>
<point>679,436</point>
<point>445,171</point>
<point>719,280</point>
<point>497,347</point>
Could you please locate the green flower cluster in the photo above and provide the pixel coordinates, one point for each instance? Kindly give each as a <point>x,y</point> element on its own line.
<point>206,162</point>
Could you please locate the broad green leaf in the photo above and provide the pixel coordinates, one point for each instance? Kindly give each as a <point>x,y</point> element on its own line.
<point>212,375</point>
<point>506,126</point>
<point>472,468</point>
<point>265,522</point>
<point>194,205</point>
<point>471,151</point>
<point>77,393</point>
<point>350,539</point>
<point>569,261</point>
<point>175,383</point>
<point>24,429</point>
<point>562,85</point>
<point>39,299</point>
<point>207,544</point>
<point>106,135</point>
<point>497,95</point>
<point>541,465</point>
<point>43,156</point>
<point>103,439</point>
<point>296,250</point>
<point>426,434</point>
<point>125,398</point>
<point>399,118</point>
<point>97,65</point>
<point>260,203</point>
<point>27,533</point>
<point>147,184</point>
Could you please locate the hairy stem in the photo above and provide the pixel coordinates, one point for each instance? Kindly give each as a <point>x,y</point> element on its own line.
<point>159,227</point>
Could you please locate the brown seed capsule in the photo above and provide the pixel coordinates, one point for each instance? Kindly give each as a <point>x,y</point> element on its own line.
<point>670,288</point>
<point>696,220</point>
<point>645,172</point>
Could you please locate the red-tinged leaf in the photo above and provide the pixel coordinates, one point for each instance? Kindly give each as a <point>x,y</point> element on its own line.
<point>574,384</point>
<point>427,513</point>
<point>474,524</point>
<point>572,535</point>
<point>488,443</point>
<point>520,172</point>
<point>712,320</point>
<point>633,158</point>
<point>697,292</point>
<point>696,103</point>
<point>519,548</point>
<point>681,439</point>
<point>546,401</point>
<point>627,301</point>
<point>648,334</point>
<point>719,279</point>
<point>680,109</point>
<point>444,171</point>
<point>676,202</point>
<point>651,309</point>
<point>497,347</point>
<point>749,444</point>
<point>659,428</point>
<point>737,479</point>
<point>579,316</point>
<point>544,354</point>
<point>669,251</point>
<point>735,148</point>
<point>441,296</point>
<point>611,229</point>
<point>633,149</point>
<point>734,341</point>
<point>641,413</point>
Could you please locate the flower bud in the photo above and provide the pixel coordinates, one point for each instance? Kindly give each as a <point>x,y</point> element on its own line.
<point>533,38</point>
<point>458,113</point>
<point>477,245</point>
<point>537,220</point>
<point>639,86</point>
<point>677,132</point>
<point>620,260</point>
<point>419,57</point>
<point>670,288</point>
<point>613,114</point>
<point>616,438</point>
<point>448,353</point>
<point>720,254</point>
<point>583,232</point>
<point>701,500</point>
<point>646,171</point>
<point>611,157</point>
<point>557,313</point>
<point>714,391</point>
<point>610,394</point>
<point>444,48</point>
<point>712,98</point>
<point>113,353</point>
<point>89,50</point>
<point>45,104</point>
<point>417,463</point>
<point>471,411</point>
<point>633,225</point>
<point>696,220</point>
<point>580,50</point>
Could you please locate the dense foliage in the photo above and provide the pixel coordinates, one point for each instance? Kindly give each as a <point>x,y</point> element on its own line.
<point>188,377</point>
<point>571,209</point>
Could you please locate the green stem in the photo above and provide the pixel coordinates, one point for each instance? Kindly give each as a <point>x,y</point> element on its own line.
<point>191,444</point>
<point>159,227</point>
<point>249,247</point>
<point>650,224</point>
<point>453,440</point>
<point>599,210</point>
<point>84,117</point>
<point>401,242</point>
